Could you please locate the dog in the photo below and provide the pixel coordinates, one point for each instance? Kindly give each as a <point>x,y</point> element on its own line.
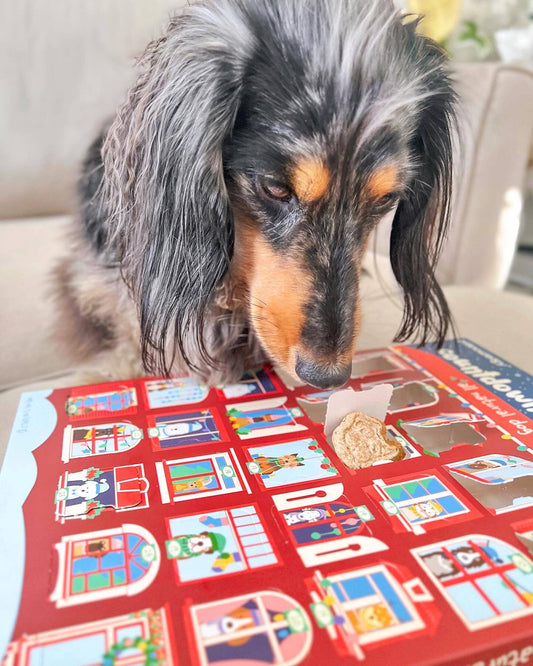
<point>225,210</point>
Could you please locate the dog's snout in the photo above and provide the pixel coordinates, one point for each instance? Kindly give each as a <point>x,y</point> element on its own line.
<point>322,376</point>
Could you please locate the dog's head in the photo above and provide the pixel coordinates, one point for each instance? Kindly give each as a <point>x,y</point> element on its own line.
<point>262,144</point>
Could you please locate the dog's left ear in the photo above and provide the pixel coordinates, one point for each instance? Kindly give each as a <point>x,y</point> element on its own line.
<point>164,191</point>
<point>422,218</point>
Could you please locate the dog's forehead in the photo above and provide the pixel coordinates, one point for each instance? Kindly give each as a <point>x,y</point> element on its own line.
<point>306,142</point>
<point>331,93</point>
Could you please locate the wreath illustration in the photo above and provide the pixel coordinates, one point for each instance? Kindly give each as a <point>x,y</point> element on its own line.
<point>149,649</point>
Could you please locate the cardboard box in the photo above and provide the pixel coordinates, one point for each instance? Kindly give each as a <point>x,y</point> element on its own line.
<point>157,521</point>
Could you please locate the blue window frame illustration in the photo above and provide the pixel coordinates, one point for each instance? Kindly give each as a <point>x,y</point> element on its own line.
<point>122,400</point>
<point>418,501</point>
<point>373,605</point>
<point>162,393</point>
<point>485,580</point>
<point>185,429</point>
<point>123,638</point>
<point>104,564</point>
<point>95,440</point>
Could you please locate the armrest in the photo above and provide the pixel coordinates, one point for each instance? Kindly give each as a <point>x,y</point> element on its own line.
<point>496,126</point>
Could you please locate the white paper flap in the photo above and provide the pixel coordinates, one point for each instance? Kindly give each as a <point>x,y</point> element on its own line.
<point>373,402</point>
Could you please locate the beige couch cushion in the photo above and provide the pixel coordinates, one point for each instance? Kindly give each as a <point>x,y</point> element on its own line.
<point>497,320</point>
<point>496,111</point>
<point>28,251</point>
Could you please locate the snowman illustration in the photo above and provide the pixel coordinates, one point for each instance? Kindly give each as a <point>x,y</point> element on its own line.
<point>88,490</point>
<point>169,430</point>
<point>79,492</point>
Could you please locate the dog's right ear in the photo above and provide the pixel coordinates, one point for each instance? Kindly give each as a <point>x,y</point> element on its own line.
<point>164,193</point>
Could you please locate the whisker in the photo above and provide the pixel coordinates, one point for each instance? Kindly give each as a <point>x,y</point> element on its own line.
<point>258,318</point>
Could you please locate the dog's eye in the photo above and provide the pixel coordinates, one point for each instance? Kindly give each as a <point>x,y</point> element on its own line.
<point>387,199</point>
<point>273,189</point>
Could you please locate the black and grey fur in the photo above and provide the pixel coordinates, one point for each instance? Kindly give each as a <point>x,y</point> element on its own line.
<point>227,102</point>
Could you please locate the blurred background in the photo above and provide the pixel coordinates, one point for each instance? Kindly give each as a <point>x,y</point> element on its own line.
<point>484,31</point>
<point>66,65</point>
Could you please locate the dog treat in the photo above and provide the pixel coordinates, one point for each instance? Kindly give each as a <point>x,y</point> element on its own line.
<point>361,440</point>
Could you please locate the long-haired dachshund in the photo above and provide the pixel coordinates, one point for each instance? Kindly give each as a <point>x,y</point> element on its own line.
<point>226,209</point>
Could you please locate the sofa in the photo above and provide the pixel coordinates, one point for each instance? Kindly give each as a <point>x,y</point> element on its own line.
<point>67,66</point>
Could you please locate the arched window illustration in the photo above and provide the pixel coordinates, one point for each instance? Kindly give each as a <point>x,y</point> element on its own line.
<point>129,640</point>
<point>257,629</point>
<point>105,564</point>
<point>96,440</point>
<point>485,580</point>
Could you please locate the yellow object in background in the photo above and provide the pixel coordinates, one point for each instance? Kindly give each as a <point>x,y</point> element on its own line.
<point>439,17</point>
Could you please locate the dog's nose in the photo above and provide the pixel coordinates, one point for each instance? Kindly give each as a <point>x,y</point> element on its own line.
<point>322,376</point>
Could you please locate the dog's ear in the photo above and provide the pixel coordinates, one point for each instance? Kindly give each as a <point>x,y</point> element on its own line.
<point>164,191</point>
<point>422,218</point>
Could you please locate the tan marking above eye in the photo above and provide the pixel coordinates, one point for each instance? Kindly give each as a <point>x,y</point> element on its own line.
<point>310,179</point>
<point>383,181</point>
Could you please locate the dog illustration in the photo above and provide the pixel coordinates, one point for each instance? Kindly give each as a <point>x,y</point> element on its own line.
<point>270,465</point>
<point>195,484</point>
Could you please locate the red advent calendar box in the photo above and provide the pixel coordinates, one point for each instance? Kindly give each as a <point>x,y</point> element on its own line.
<point>161,522</point>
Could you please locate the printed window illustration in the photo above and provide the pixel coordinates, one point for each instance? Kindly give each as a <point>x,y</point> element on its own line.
<point>201,476</point>
<point>322,522</point>
<point>418,501</point>
<point>105,564</point>
<point>186,429</point>
<point>219,543</point>
<point>123,400</point>
<point>96,440</point>
<point>87,493</point>
<point>260,382</point>
<point>485,580</point>
<point>289,463</point>
<point>162,393</point>
<point>499,482</point>
<point>262,628</point>
<point>129,639</point>
<point>367,605</point>
<point>264,418</point>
